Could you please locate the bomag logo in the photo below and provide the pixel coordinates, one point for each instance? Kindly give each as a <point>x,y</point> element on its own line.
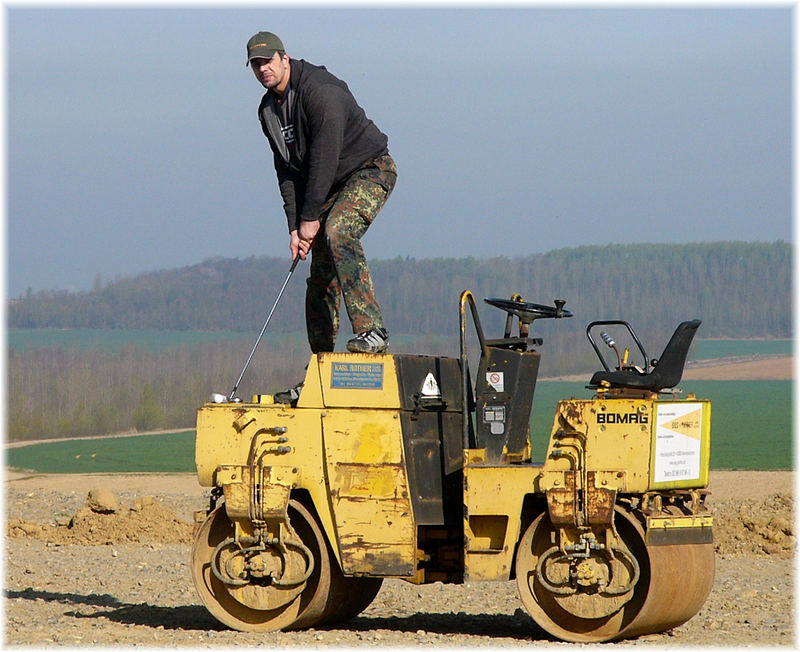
<point>613,417</point>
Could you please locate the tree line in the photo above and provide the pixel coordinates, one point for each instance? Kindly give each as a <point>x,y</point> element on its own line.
<point>56,392</point>
<point>68,392</point>
<point>738,289</point>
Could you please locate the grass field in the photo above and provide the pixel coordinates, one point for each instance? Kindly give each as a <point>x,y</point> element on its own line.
<point>162,453</point>
<point>751,421</point>
<point>751,429</point>
<point>115,339</point>
<point>712,349</point>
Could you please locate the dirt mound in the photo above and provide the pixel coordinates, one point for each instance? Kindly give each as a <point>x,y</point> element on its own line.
<point>752,527</point>
<point>102,521</point>
<point>743,527</point>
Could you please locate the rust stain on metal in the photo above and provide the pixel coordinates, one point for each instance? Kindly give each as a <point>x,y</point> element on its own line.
<point>572,410</point>
<point>561,502</point>
<point>599,502</point>
<point>376,560</point>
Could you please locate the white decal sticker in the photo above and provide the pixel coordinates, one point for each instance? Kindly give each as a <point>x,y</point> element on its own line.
<point>495,379</point>
<point>678,431</point>
<point>430,387</point>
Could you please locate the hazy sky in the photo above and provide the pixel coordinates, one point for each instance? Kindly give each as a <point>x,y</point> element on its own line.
<point>133,142</point>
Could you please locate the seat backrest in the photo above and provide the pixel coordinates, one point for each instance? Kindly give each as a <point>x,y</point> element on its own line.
<point>669,368</point>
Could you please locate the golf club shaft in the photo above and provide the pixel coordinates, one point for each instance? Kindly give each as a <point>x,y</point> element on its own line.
<point>266,323</point>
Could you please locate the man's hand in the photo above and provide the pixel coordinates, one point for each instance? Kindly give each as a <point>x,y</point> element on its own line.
<point>300,240</point>
<point>308,231</point>
<point>294,246</point>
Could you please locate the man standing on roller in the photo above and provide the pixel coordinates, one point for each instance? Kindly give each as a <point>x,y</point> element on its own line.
<point>335,174</point>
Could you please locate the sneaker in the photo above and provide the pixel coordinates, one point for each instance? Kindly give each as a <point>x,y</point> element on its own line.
<point>375,340</point>
<point>290,396</point>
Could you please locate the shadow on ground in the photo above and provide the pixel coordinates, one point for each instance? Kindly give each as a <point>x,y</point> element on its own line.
<point>518,626</point>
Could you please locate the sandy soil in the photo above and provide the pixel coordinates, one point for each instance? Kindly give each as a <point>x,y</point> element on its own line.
<point>75,577</point>
<point>725,485</point>
<point>777,368</point>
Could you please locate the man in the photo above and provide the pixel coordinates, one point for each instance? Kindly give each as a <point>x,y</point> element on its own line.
<point>335,174</point>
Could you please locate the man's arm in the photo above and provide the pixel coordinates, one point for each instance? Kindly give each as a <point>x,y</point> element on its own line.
<point>290,192</point>
<point>326,110</point>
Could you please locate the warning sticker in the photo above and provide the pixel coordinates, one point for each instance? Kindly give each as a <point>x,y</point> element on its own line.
<point>357,375</point>
<point>678,431</point>
<point>430,388</point>
<point>495,379</point>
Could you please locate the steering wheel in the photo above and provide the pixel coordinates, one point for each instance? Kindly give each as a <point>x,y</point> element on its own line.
<point>527,312</point>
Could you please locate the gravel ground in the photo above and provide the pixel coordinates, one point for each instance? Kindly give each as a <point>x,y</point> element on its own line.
<point>142,593</point>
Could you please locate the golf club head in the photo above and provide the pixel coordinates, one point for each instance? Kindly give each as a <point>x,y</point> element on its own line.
<point>218,398</point>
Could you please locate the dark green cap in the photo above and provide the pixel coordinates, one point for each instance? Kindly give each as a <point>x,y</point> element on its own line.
<point>263,45</point>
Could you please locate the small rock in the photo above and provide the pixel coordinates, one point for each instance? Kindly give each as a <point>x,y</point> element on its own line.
<point>102,501</point>
<point>142,502</point>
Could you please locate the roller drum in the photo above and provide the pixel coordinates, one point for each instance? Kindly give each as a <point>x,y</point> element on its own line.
<point>681,577</point>
<point>671,584</point>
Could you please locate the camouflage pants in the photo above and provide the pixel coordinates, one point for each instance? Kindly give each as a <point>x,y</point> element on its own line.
<point>338,266</point>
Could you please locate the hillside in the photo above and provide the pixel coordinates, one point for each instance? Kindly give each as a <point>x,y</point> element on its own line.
<point>738,289</point>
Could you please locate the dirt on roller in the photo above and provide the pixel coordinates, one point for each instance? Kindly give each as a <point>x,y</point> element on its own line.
<point>76,576</point>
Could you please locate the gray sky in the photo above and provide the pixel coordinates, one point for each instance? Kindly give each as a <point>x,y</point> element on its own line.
<point>133,142</point>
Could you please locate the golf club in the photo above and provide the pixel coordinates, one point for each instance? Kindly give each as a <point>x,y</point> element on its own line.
<point>216,397</point>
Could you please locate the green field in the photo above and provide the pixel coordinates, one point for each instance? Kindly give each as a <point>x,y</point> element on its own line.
<point>751,421</point>
<point>162,453</point>
<point>751,429</point>
<point>116,339</point>
<point>712,349</point>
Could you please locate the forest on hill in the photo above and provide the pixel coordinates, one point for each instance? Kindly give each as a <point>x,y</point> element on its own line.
<point>738,289</point>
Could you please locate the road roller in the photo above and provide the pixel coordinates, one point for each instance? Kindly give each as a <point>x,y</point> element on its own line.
<point>420,468</point>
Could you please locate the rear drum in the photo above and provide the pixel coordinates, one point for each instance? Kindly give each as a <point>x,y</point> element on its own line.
<point>647,589</point>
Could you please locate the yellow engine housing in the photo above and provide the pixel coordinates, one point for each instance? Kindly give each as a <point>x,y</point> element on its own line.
<point>349,459</point>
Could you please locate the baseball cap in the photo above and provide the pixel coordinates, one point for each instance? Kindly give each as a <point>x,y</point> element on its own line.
<point>264,45</point>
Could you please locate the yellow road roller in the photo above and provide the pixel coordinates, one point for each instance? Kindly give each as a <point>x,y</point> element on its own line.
<point>419,468</point>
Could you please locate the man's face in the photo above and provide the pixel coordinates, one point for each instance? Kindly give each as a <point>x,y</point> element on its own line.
<point>272,73</point>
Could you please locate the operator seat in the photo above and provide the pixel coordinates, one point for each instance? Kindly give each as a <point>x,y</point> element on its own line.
<point>666,373</point>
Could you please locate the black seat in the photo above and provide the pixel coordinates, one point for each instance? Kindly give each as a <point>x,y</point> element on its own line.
<point>666,372</point>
